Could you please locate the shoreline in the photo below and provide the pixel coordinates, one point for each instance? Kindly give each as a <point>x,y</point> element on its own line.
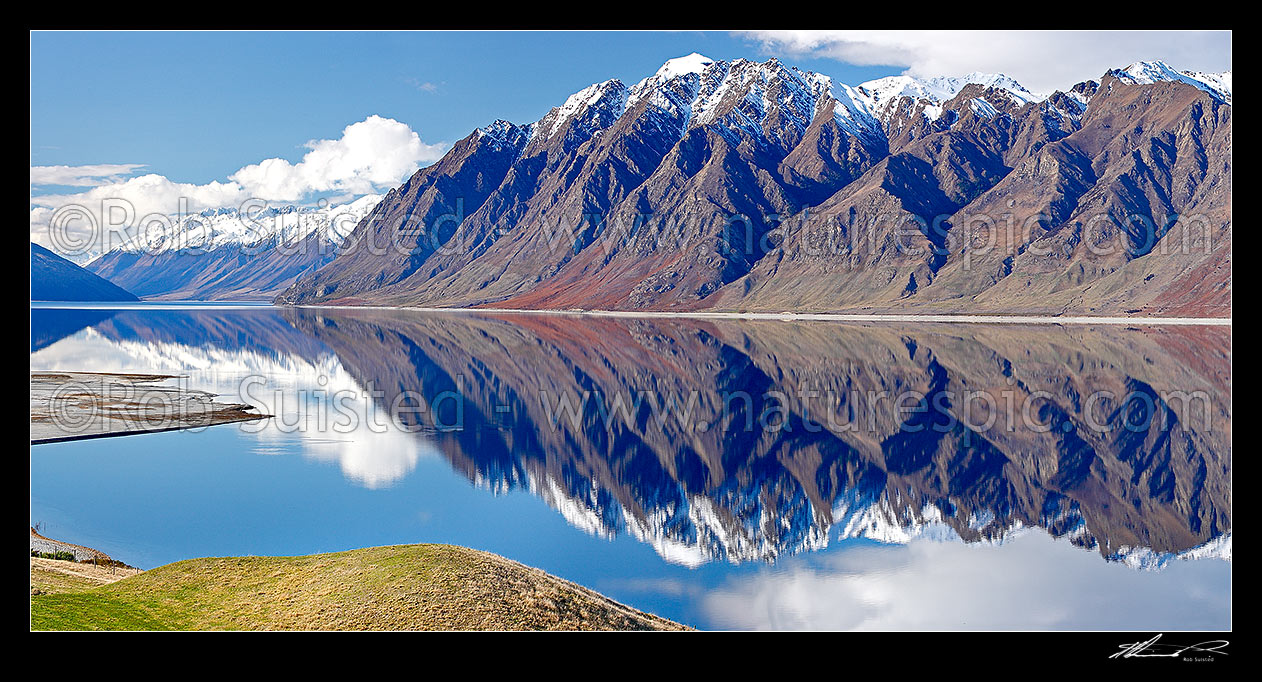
<point>786,316</point>
<point>72,406</point>
<point>812,317</point>
<point>44,544</point>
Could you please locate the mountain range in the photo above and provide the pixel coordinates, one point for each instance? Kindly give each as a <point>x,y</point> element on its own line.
<point>231,254</point>
<point>756,186</point>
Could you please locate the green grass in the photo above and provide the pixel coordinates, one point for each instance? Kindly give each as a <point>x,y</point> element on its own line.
<point>80,611</point>
<point>57,556</point>
<point>380,588</point>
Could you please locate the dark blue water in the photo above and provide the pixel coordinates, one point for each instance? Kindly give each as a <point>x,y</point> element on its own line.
<point>724,474</point>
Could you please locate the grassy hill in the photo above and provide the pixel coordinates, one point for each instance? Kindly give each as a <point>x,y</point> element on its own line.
<point>402,587</point>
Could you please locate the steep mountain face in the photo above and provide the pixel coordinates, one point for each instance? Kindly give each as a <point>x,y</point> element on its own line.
<point>1104,210</point>
<point>228,254</point>
<point>1145,195</point>
<point>54,278</point>
<point>607,190</point>
<point>884,237</point>
<point>755,186</point>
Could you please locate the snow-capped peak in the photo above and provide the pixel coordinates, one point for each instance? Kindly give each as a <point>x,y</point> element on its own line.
<point>998,81</point>
<point>214,228</point>
<point>602,103</point>
<point>502,133</point>
<point>878,95</point>
<point>883,90</point>
<point>695,90</point>
<point>693,63</point>
<point>745,95</point>
<point>1143,73</point>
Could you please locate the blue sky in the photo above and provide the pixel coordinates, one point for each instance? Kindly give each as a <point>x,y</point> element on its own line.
<point>198,106</point>
<point>213,118</point>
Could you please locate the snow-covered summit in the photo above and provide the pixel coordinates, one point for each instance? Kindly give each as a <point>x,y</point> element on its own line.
<point>1142,73</point>
<point>880,95</point>
<point>744,95</point>
<point>882,90</point>
<point>695,90</point>
<point>215,228</point>
<point>693,63</point>
<point>1005,84</point>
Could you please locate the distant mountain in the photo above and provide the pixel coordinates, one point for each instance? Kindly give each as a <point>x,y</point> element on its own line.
<point>54,278</point>
<point>757,186</point>
<point>229,255</point>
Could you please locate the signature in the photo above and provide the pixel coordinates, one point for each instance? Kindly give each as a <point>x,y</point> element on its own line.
<point>1153,649</point>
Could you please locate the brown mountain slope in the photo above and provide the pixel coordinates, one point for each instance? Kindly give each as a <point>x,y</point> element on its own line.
<point>632,197</point>
<point>885,236</point>
<point>1113,218</point>
<point>750,186</point>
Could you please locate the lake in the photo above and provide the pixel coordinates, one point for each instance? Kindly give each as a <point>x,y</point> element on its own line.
<point>725,474</point>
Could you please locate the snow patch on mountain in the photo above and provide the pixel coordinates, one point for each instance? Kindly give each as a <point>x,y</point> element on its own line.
<point>982,108</point>
<point>503,134</point>
<point>693,63</point>
<point>740,95</point>
<point>592,109</point>
<point>212,229</point>
<point>1143,73</point>
<point>880,97</point>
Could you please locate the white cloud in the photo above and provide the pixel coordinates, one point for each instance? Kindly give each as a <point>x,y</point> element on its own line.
<point>82,176</point>
<point>151,193</point>
<point>83,225</point>
<point>370,155</point>
<point>376,151</point>
<point>1041,60</point>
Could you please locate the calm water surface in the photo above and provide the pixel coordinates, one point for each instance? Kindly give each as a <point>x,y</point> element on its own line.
<point>724,474</point>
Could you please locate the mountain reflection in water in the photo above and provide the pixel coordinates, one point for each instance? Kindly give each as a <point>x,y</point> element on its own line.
<point>732,440</point>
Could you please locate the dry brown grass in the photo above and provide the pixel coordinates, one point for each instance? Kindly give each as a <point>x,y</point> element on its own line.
<point>50,576</point>
<point>402,587</point>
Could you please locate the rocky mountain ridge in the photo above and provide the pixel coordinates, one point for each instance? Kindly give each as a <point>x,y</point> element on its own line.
<point>686,190</point>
